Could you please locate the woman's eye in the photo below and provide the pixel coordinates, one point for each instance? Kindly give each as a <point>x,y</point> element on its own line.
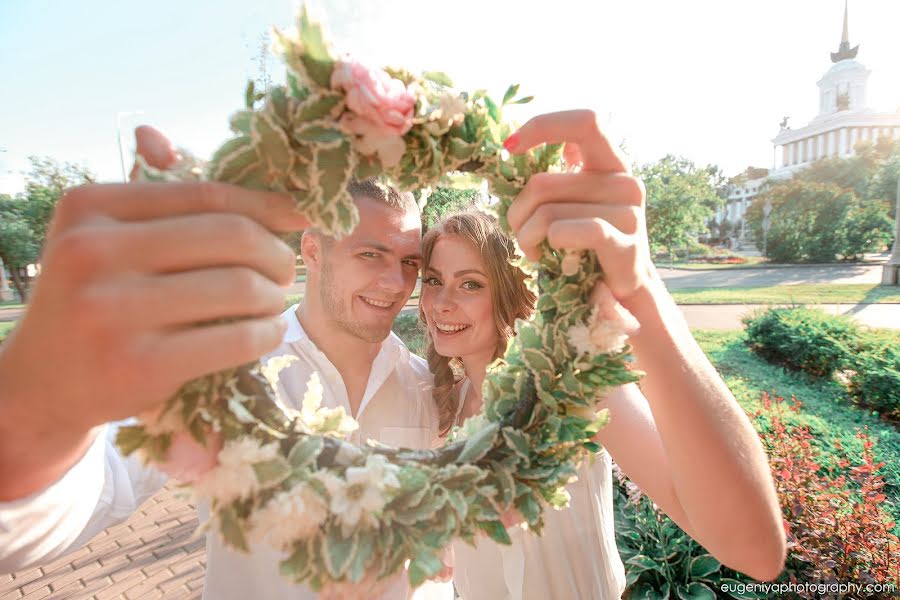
<point>472,285</point>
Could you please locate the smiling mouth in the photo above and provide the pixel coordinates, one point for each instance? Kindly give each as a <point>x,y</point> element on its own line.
<point>376,303</point>
<point>449,329</point>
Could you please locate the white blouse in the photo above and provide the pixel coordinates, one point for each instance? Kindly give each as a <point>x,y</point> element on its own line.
<point>574,558</point>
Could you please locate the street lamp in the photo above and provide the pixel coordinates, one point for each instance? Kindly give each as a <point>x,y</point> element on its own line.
<point>767,210</point>
<point>119,115</point>
<point>890,273</point>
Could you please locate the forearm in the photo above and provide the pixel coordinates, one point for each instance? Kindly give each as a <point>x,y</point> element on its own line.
<point>719,469</point>
<point>33,453</point>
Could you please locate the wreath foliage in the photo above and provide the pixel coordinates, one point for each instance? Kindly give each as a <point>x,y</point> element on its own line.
<point>288,477</point>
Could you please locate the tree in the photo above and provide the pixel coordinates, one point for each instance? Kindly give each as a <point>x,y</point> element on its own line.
<point>819,222</point>
<point>445,201</point>
<point>24,218</point>
<point>681,199</point>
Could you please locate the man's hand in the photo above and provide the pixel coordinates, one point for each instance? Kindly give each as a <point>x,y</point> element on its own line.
<point>127,273</point>
<point>598,206</point>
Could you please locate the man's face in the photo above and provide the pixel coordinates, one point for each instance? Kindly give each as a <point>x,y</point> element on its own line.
<point>367,277</point>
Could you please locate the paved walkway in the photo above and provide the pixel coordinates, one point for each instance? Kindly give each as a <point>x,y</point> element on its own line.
<point>150,556</point>
<point>728,316</point>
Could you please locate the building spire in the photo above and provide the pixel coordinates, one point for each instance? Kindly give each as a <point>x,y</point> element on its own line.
<point>845,51</point>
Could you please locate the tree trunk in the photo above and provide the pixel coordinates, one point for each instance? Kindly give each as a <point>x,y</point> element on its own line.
<point>20,285</point>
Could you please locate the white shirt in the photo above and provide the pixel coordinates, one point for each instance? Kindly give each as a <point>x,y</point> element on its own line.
<point>104,488</point>
<point>574,558</point>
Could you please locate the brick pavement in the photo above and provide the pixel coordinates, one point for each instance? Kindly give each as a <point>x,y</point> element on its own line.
<point>149,556</point>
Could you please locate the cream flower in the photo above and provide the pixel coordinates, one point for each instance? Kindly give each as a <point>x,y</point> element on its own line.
<point>234,477</point>
<point>270,371</point>
<point>571,262</point>
<point>289,516</point>
<point>607,328</point>
<point>360,494</point>
<point>332,421</point>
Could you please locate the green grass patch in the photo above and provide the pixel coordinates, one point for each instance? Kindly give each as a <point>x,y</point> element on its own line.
<point>827,409</point>
<point>836,293</point>
<point>5,328</point>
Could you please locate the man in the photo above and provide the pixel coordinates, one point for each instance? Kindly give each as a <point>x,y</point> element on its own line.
<point>341,331</point>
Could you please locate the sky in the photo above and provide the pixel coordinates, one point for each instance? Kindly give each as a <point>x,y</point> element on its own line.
<point>706,79</point>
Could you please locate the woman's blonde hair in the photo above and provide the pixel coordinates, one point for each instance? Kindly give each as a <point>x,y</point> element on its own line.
<point>510,296</point>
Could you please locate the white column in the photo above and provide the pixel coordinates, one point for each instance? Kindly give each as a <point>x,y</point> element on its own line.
<point>842,141</point>
<point>854,137</point>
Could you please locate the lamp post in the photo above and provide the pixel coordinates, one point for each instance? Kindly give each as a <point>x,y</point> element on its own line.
<point>890,273</point>
<point>767,210</point>
<point>119,115</point>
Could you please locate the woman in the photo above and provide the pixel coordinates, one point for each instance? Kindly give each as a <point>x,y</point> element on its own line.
<point>471,297</point>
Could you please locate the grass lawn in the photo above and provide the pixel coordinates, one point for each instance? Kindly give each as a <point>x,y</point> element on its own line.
<point>753,262</point>
<point>835,293</point>
<point>826,410</point>
<point>5,326</point>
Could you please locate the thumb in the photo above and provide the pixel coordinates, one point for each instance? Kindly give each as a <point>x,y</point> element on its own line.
<point>155,147</point>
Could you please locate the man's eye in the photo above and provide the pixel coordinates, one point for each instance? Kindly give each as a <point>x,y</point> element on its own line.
<point>411,263</point>
<point>369,254</point>
<point>432,281</point>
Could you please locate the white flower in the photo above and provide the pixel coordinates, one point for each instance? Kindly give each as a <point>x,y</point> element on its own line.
<point>360,494</point>
<point>331,421</point>
<point>270,371</point>
<point>234,477</point>
<point>598,336</point>
<point>289,516</point>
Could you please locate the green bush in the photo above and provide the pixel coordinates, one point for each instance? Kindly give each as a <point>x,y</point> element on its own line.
<point>804,339</point>
<point>822,345</point>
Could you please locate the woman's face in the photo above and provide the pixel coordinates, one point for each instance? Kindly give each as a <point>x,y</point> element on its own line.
<point>457,300</point>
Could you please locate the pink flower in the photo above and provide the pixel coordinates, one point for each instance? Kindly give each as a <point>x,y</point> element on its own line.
<point>187,460</point>
<point>381,109</point>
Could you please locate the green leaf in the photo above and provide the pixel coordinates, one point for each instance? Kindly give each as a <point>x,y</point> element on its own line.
<point>364,549</point>
<point>439,78</point>
<point>518,441</point>
<point>231,530</point>
<point>537,360</point>
<point>511,92</point>
<point>250,94</point>
<point>233,160</point>
<point>272,144</point>
<point>529,506</point>
<point>493,110</point>
<point>496,531</point>
<point>335,171</point>
<point>695,591</point>
<point>524,100</point>
<point>240,122</point>
<point>271,472</point>
<point>315,57</point>
<point>319,106</point>
<point>130,437</point>
<point>318,134</point>
<point>703,565</point>
<point>296,566</point>
<point>528,336</point>
<point>240,412</point>
<point>338,552</point>
<point>305,451</point>
<point>642,562</point>
<point>424,564</point>
<point>479,444</point>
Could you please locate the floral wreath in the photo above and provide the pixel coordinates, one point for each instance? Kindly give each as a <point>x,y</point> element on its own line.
<point>340,512</point>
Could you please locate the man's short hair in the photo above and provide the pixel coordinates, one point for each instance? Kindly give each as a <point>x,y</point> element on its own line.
<point>374,189</point>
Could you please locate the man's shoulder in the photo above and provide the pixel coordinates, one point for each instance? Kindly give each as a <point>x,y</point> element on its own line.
<point>416,365</point>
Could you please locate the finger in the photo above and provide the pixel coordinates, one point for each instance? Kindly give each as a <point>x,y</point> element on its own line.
<point>534,230</point>
<point>617,252</point>
<point>155,147</point>
<point>190,353</point>
<point>572,156</point>
<point>185,299</point>
<point>585,187</point>
<point>145,201</point>
<point>573,126</point>
<point>202,241</point>
<point>612,310</point>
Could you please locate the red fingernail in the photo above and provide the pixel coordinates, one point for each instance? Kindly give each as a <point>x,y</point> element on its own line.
<point>511,142</point>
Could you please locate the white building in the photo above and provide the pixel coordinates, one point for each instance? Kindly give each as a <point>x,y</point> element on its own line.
<point>843,120</point>
<point>844,117</point>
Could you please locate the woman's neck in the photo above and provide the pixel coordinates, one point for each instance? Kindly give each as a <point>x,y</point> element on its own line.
<point>476,370</point>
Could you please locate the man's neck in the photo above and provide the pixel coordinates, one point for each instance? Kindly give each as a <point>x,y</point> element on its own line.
<point>351,356</point>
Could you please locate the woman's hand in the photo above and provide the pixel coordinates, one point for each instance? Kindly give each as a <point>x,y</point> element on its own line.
<point>597,205</point>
